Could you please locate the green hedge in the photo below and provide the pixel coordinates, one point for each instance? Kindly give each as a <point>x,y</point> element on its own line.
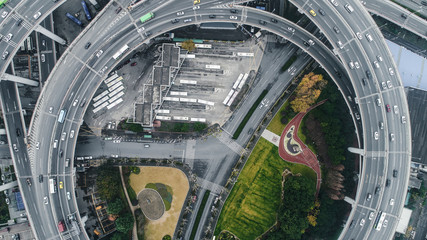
<point>249,114</point>
<point>199,214</point>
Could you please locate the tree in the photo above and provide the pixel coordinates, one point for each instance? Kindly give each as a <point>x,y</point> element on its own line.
<point>119,236</point>
<point>115,207</point>
<point>124,223</point>
<point>308,91</point>
<point>108,182</point>
<point>189,45</point>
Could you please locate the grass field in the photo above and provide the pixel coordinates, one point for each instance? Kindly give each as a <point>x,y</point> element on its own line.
<point>252,205</point>
<point>275,125</point>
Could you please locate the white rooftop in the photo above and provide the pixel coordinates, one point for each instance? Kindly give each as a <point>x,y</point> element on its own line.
<point>403,223</point>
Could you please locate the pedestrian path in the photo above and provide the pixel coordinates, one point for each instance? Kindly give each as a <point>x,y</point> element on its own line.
<point>226,139</point>
<point>271,137</point>
<point>292,149</point>
<point>213,187</point>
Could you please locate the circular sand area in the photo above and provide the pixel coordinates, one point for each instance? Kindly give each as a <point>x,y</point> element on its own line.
<point>177,180</point>
<point>151,204</point>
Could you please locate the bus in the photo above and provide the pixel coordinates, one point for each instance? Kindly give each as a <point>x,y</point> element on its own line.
<point>146,17</point>
<point>379,221</point>
<point>74,19</point>
<point>3,3</point>
<point>52,185</point>
<point>62,115</point>
<point>86,9</point>
<point>120,52</point>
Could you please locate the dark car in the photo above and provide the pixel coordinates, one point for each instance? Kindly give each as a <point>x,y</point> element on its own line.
<point>18,132</point>
<point>18,23</point>
<point>321,12</point>
<point>88,45</point>
<point>364,81</point>
<point>233,10</point>
<point>336,29</point>
<point>133,64</point>
<point>41,178</point>
<point>368,74</point>
<point>394,173</point>
<point>147,34</point>
<point>262,22</point>
<point>174,21</point>
<point>29,182</point>
<point>118,10</point>
<point>212,16</point>
<point>377,189</point>
<point>388,108</point>
<point>273,20</point>
<point>387,182</point>
<point>127,62</point>
<point>404,16</point>
<point>61,153</point>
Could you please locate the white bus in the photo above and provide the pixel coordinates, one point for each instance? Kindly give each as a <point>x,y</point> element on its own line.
<point>52,185</point>
<point>62,115</point>
<point>379,221</point>
<point>120,52</point>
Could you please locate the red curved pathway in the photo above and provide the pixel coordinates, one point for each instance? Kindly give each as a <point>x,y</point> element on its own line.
<point>306,156</point>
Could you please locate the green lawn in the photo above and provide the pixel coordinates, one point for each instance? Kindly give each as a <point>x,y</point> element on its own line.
<point>275,125</point>
<point>252,205</point>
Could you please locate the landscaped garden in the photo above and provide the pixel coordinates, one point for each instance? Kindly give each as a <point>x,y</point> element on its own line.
<point>252,206</point>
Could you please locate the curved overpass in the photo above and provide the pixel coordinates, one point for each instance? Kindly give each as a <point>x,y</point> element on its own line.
<point>380,156</point>
<point>88,78</point>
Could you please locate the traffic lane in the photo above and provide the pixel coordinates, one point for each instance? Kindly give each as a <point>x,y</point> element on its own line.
<point>374,113</point>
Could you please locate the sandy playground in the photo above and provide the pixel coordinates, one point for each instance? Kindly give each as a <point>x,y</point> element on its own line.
<point>176,179</point>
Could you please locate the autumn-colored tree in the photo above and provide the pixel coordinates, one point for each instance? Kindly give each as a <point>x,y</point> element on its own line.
<point>189,45</point>
<point>308,91</point>
<point>314,212</point>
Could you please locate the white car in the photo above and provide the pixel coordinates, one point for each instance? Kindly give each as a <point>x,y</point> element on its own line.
<point>196,7</point>
<point>4,55</point>
<point>43,58</point>
<point>14,147</point>
<point>391,71</point>
<point>379,58</point>
<point>403,119</point>
<point>376,135</point>
<point>64,134</point>
<point>291,29</point>
<point>37,145</point>
<point>8,37</point>
<point>37,15</point>
<point>385,223</point>
<point>45,200</point>
<point>71,133</point>
<point>359,36</point>
<point>75,102</point>
<point>50,109</point>
<point>334,2</point>
<point>396,109</point>
<point>376,64</point>
<point>384,85</point>
<point>356,64</point>
<point>389,85</point>
<point>233,17</point>
<point>362,222</point>
<point>4,14</point>
<point>371,215</point>
<point>180,13</point>
<point>68,196</point>
<point>99,53</point>
<point>391,202</point>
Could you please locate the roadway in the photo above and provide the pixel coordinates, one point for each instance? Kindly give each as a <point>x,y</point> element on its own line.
<point>399,16</point>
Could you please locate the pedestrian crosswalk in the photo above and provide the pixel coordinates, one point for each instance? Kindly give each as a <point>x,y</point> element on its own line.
<point>226,139</point>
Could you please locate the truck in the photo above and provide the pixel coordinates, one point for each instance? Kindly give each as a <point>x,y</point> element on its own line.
<point>52,185</point>
<point>74,19</point>
<point>61,226</point>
